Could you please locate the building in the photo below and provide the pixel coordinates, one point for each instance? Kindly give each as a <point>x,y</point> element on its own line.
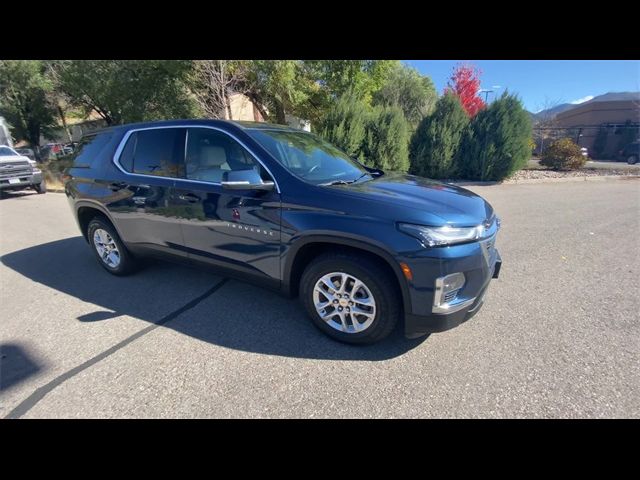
<point>243,109</point>
<point>616,117</point>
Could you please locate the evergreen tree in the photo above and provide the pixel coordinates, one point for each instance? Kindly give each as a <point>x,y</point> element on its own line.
<point>387,139</point>
<point>436,142</point>
<point>496,144</point>
<point>345,125</point>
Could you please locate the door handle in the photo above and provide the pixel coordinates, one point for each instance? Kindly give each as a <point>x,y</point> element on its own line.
<point>189,197</point>
<point>115,186</point>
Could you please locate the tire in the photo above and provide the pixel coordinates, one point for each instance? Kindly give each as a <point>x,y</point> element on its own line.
<point>377,284</point>
<point>632,159</point>
<point>41,187</point>
<point>126,263</point>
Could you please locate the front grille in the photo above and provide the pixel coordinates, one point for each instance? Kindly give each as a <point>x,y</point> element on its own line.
<point>15,169</point>
<point>21,172</point>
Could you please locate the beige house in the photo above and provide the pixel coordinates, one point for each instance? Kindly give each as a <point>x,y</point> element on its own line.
<point>243,109</point>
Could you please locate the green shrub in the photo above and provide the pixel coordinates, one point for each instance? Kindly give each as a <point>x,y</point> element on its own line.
<point>563,154</point>
<point>345,125</point>
<point>496,144</point>
<point>387,140</point>
<point>436,141</point>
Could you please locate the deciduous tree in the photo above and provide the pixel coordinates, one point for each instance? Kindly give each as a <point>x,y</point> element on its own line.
<point>123,91</point>
<point>213,82</point>
<point>465,84</point>
<point>24,102</point>
<point>404,87</point>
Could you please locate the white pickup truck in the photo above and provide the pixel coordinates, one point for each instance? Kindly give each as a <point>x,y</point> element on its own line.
<point>18,172</point>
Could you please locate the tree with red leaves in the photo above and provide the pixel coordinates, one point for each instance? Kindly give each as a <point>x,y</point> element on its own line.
<point>465,84</point>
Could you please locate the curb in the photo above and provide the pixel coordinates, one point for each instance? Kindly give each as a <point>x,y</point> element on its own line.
<point>54,190</point>
<point>594,178</point>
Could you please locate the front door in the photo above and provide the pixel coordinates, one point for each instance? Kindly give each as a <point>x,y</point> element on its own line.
<point>236,229</point>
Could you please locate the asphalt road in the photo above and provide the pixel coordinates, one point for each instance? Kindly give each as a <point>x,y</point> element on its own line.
<point>558,336</point>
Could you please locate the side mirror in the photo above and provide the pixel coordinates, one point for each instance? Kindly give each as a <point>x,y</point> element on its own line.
<point>245,180</point>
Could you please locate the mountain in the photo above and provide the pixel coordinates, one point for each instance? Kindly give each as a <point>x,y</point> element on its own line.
<point>615,97</point>
<point>553,111</point>
<point>563,107</point>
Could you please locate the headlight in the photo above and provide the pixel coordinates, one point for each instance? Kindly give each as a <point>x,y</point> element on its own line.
<point>439,236</point>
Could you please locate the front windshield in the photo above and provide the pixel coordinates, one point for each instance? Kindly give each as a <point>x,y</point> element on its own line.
<point>309,157</point>
<point>6,151</point>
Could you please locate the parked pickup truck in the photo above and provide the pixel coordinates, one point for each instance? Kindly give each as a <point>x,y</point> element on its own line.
<point>18,172</point>
<point>364,249</point>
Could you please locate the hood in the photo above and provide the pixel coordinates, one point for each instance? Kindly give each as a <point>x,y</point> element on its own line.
<point>14,159</point>
<point>427,202</point>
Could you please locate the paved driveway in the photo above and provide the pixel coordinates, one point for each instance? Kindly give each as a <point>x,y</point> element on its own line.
<point>558,336</point>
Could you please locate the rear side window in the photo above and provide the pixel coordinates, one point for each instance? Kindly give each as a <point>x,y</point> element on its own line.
<point>158,152</point>
<point>89,149</point>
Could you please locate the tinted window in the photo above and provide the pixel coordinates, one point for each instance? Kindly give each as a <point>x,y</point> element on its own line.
<point>126,157</point>
<point>210,153</point>
<point>155,152</point>
<point>89,148</point>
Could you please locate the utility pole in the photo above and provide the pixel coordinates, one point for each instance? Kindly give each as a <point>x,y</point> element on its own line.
<point>486,94</point>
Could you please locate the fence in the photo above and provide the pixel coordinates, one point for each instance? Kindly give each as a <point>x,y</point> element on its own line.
<point>602,141</point>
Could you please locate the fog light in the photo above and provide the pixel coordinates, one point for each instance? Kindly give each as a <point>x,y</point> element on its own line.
<point>446,290</point>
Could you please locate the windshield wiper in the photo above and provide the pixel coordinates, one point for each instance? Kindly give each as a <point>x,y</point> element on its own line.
<point>344,182</point>
<point>335,182</point>
<point>363,175</point>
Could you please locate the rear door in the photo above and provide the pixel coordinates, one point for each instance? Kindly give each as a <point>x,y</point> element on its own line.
<point>141,196</point>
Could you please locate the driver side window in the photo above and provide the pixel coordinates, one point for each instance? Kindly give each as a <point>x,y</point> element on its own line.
<point>210,153</point>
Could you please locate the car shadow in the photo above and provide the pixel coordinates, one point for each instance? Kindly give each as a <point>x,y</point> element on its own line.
<point>16,194</point>
<point>238,316</point>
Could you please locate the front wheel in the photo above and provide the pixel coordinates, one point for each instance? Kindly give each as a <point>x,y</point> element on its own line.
<point>41,187</point>
<point>632,159</point>
<point>350,298</point>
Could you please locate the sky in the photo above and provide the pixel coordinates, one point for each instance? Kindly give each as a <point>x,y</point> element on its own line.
<point>543,83</point>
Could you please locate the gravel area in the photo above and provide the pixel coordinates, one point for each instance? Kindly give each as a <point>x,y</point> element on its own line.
<point>585,172</point>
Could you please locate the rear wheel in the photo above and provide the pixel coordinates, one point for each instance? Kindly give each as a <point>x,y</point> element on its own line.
<point>109,249</point>
<point>350,298</point>
<point>632,159</point>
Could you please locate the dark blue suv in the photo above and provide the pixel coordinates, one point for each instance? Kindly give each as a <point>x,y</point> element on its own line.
<point>270,204</point>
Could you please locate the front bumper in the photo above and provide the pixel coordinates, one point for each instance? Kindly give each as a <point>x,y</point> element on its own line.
<point>480,263</point>
<point>9,182</point>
